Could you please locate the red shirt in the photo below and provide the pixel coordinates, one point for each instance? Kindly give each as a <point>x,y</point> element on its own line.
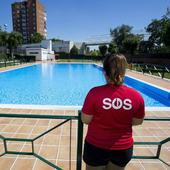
<point>113,108</point>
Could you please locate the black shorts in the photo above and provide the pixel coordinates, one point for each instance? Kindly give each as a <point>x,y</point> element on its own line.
<point>95,156</point>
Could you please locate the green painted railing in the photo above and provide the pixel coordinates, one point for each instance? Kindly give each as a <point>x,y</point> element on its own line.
<point>66,119</point>
<point>79,138</point>
<point>159,144</point>
<point>158,70</point>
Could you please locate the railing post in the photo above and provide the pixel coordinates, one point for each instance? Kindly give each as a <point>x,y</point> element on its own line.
<point>162,75</point>
<point>158,151</point>
<point>32,145</point>
<point>5,146</point>
<point>79,141</point>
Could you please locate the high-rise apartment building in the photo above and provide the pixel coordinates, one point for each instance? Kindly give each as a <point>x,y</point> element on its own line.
<point>29,17</point>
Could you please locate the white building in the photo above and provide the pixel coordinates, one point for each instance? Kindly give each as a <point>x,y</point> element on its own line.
<point>62,46</point>
<point>42,51</point>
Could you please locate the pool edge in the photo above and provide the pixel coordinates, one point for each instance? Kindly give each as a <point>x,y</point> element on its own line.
<point>60,107</point>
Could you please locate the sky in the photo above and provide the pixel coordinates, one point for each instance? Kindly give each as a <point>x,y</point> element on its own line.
<point>87,20</point>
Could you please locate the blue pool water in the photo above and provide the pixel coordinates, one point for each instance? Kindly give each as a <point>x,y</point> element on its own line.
<point>59,84</point>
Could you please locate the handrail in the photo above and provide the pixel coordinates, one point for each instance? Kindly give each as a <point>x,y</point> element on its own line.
<point>67,118</point>
<point>150,68</point>
<point>79,138</point>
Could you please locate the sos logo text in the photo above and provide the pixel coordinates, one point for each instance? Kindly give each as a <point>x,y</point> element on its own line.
<point>117,104</point>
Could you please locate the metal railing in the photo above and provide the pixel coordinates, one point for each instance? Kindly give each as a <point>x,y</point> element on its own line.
<point>79,138</point>
<point>151,69</point>
<point>32,153</point>
<point>159,144</point>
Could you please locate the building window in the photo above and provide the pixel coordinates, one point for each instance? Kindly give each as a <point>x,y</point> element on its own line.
<point>33,52</point>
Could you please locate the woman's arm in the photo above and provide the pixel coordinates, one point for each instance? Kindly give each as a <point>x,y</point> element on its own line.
<point>136,121</point>
<point>86,118</point>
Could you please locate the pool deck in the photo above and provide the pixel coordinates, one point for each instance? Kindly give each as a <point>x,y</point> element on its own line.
<point>55,145</point>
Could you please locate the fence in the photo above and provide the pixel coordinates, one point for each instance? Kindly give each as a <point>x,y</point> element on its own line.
<point>79,138</point>
<point>161,71</point>
<point>66,119</point>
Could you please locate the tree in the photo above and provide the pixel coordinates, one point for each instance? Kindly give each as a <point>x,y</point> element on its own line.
<point>145,46</point>
<point>155,29</point>
<point>103,49</point>
<point>166,36</point>
<point>14,39</point>
<point>3,43</point>
<point>131,43</point>
<point>55,40</point>
<point>74,50</point>
<point>94,53</point>
<point>119,34</point>
<point>36,38</point>
<point>3,38</point>
<point>112,49</point>
<point>159,30</point>
<point>124,39</point>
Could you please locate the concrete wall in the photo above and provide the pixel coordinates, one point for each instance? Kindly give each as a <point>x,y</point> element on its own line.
<point>41,54</point>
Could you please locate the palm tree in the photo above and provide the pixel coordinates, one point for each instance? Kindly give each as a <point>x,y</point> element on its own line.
<point>3,44</point>
<point>14,39</point>
<point>3,38</point>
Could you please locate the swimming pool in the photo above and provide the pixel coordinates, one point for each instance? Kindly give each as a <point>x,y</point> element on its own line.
<point>65,85</point>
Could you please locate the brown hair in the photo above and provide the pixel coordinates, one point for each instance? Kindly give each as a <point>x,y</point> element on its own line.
<point>115,67</point>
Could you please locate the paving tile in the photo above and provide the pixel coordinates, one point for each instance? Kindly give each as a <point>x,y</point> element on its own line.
<point>43,122</point>
<point>25,129</point>
<point>67,165</point>
<point>23,164</point>
<point>5,120</point>
<point>64,153</point>
<point>58,112</point>
<point>153,166</point>
<point>17,121</point>
<point>134,166</point>
<point>142,151</point>
<point>2,150</point>
<point>30,121</point>
<point>11,128</point>
<point>157,132</point>
<point>49,152</point>
<point>55,122</point>
<point>165,155</point>
<point>6,163</point>
<point>4,110</point>
<point>70,113</point>
<point>21,135</point>
<point>51,139</point>
<point>65,140</point>
<point>66,131</point>
<point>39,165</point>
<point>39,129</point>
<point>15,146</point>
<point>143,132</point>
<point>27,147</point>
<point>56,131</point>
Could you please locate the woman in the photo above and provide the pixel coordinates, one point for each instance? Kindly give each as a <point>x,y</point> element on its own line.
<point>110,112</point>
